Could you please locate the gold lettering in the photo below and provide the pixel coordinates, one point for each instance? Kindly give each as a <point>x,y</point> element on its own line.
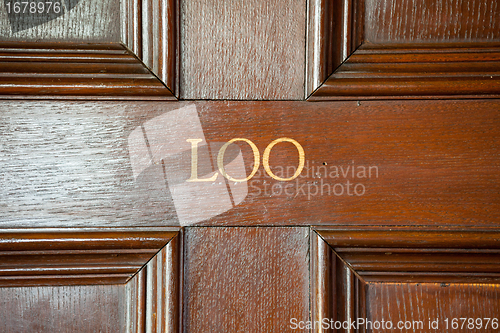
<point>267,152</point>
<point>256,158</point>
<point>194,163</point>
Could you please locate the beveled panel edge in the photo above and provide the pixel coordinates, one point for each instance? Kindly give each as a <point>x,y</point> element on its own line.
<point>149,37</point>
<point>338,293</point>
<point>418,254</point>
<point>154,294</point>
<point>334,31</point>
<point>108,71</point>
<point>77,256</point>
<point>150,30</point>
<point>330,59</point>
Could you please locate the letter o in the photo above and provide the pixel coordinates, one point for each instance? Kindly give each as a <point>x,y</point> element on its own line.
<point>256,158</point>
<point>267,152</point>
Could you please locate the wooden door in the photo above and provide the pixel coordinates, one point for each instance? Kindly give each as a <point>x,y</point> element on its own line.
<point>217,166</point>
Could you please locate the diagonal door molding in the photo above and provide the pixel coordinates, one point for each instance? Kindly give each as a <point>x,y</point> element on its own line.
<point>343,64</point>
<point>78,256</point>
<point>347,260</point>
<point>142,66</point>
<point>147,261</point>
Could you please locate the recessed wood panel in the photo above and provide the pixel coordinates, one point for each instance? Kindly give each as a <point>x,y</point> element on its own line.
<point>77,256</point>
<point>242,50</point>
<point>140,65</point>
<point>440,305</point>
<point>403,49</point>
<point>150,30</point>
<point>406,279</point>
<point>63,309</point>
<point>73,20</point>
<point>434,21</point>
<point>245,279</point>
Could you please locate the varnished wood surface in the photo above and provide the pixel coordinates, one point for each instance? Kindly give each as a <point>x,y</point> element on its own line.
<point>154,295</point>
<point>418,254</point>
<point>68,256</point>
<point>423,301</point>
<point>85,309</point>
<point>235,50</point>
<point>397,49</point>
<point>245,279</point>
<point>437,163</point>
<point>410,21</point>
<point>334,30</point>
<point>75,71</point>
<point>67,164</point>
<point>343,288</point>
<point>416,71</point>
<point>88,21</point>
<point>150,30</point>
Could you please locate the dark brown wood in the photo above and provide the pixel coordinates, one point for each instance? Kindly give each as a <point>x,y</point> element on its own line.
<point>242,50</point>
<point>154,295</point>
<point>334,32</point>
<point>420,242</point>
<point>402,274</point>
<point>85,309</point>
<point>85,21</point>
<point>428,71</point>
<point>75,71</point>
<point>404,254</point>
<point>76,176</point>
<point>436,164</point>
<point>150,301</point>
<point>147,70</point>
<point>417,21</point>
<point>377,56</point>
<point>424,303</point>
<point>245,279</point>
<point>77,256</point>
<point>150,29</point>
<point>337,292</point>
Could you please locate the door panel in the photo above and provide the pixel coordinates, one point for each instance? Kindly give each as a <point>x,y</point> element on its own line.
<point>245,279</point>
<point>269,254</point>
<point>81,308</point>
<point>252,50</point>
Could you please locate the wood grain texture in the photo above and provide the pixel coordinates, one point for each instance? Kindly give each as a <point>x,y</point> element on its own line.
<point>73,256</point>
<point>404,49</point>
<point>62,309</point>
<point>404,254</point>
<point>245,279</point>
<point>67,164</point>
<point>150,29</point>
<point>423,301</point>
<point>337,292</point>
<point>334,31</point>
<point>154,295</point>
<point>235,50</point>
<point>441,71</point>
<point>444,266</point>
<point>323,275</point>
<point>436,163</point>
<point>94,21</point>
<point>410,21</point>
<point>75,71</point>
